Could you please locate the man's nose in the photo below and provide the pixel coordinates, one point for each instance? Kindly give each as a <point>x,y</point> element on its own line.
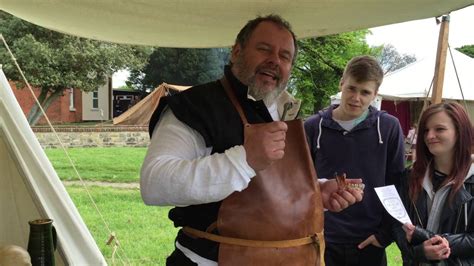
<point>274,58</point>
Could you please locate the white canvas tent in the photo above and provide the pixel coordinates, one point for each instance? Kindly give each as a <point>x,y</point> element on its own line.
<point>30,189</point>
<point>413,81</point>
<point>29,185</point>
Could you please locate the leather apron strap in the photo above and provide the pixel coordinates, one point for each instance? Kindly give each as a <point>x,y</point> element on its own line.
<point>233,99</point>
<point>256,243</point>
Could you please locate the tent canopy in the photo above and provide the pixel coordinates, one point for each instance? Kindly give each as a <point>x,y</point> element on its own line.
<point>414,80</point>
<point>29,185</point>
<point>214,23</point>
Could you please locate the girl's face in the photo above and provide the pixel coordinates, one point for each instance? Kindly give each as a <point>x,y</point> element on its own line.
<point>440,135</point>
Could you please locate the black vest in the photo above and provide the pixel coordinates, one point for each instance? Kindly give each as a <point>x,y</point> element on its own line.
<point>207,109</point>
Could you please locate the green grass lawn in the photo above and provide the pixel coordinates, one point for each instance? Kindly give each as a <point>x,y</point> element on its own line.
<point>145,233</point>
<point>112,164</point>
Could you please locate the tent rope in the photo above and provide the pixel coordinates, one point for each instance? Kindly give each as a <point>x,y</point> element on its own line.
<point>457,76</point>
<point>63,147</point>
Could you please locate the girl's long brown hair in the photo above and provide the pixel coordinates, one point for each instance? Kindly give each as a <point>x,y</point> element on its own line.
<point>462,148</point>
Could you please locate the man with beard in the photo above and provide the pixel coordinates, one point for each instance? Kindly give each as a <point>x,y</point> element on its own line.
<point>201,152</point>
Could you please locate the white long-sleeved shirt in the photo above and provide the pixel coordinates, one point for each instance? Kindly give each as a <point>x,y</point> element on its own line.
<point>179,170</point>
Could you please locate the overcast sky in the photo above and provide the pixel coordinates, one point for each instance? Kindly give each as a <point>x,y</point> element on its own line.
<point>420,37</point>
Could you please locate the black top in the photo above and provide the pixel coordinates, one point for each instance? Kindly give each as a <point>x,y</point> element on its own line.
<point>208,110</point>
<point>438,179</point>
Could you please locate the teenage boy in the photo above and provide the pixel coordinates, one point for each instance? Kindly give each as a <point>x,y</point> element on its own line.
<point>356,139</point>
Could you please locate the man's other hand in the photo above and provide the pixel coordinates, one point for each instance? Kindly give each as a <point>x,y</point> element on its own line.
<point>335,199</point>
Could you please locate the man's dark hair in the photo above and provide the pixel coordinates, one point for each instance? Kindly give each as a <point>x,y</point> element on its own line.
<point>245,33</point>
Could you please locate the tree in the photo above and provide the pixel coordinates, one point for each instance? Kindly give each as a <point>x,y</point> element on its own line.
<point>53,61</point>
<point>391,59</point>
<point>320,65</point>
<point>180,66</point>
<point>467,50</point>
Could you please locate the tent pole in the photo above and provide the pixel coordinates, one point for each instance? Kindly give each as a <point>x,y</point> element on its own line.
<point>440,61</point>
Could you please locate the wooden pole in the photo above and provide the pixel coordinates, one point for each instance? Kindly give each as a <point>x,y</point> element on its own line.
<point>437,94</point>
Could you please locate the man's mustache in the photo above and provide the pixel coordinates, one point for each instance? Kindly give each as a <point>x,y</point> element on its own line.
<point>273,69</point>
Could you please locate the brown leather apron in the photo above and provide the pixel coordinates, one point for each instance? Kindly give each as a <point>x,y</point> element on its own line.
<point>278,218</point>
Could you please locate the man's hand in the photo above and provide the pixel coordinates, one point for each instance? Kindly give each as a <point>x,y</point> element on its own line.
<point>371,240</point>
<point>264,144</point>
<point>335,199</point>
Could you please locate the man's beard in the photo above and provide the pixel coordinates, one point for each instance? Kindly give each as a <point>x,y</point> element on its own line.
<point>268,98</point>
<point>247,77</point>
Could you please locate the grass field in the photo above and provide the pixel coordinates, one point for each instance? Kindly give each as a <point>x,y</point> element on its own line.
<point>113,164</point>
<point>145,233</point>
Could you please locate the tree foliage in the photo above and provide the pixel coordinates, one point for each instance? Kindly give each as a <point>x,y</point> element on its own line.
<point>391,59</point>
<point>467,50</point>
<point>320,65</point>
<point>53,61</point>
<point>315,76</point>
<point>180,66</point>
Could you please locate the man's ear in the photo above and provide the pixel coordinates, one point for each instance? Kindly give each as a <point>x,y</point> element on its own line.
<point>236,49</point>
<point>341,82</point>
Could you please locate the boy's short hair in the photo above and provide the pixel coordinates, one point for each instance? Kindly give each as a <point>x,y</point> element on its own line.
<point>364,68</point>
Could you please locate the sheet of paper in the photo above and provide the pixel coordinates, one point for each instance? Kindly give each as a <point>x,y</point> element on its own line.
<point>391,201</point>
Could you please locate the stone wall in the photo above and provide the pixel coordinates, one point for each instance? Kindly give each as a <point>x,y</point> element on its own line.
<point>103,136</point>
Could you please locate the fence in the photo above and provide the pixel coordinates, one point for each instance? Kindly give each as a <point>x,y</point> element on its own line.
<point>97,136</point>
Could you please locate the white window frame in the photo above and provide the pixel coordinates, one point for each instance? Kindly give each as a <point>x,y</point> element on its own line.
<point>95,99</point>
<point>72,108</point>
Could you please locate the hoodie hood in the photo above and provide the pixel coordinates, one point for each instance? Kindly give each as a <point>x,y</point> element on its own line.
<point>327,121</point>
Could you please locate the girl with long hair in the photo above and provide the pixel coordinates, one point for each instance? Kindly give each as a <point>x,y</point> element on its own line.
<point>438,191</point>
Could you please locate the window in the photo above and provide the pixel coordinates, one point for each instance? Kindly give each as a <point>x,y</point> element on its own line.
<point>71,100</point>
<point>95,99</point>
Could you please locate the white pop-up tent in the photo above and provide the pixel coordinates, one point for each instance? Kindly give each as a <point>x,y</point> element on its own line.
<point>29,186</point>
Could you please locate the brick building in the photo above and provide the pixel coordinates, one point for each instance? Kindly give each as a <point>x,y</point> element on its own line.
<point>73,106</point>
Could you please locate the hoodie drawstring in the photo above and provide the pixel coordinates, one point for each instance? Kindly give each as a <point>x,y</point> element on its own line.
<point>318,146</point>
<point>320,132</point>
<point>378,130</point>
<point>465,216</point>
